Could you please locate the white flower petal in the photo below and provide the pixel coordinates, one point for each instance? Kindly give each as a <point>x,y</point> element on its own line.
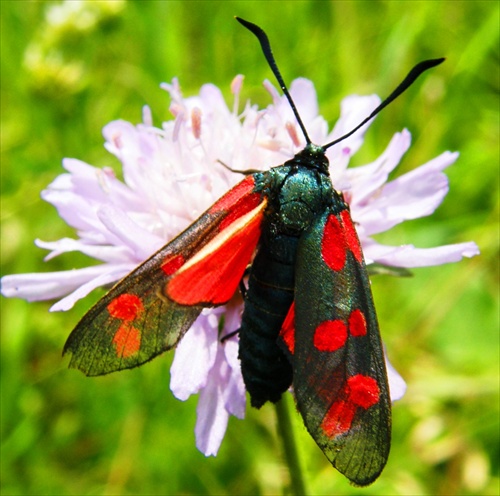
<point>76,211</point>
<point>48,285</point>
<point>211,420</point>
<point>234,392</point>
<point>368,179</point>
<point>397,385</point>
<point>212,414</point>
<point>304,95</point>
<point>194,358</point>
<point>353,109</point>
<point>110,275</point>
<point>211,100</point>
<point>101,186</point>
<point>409,256</point>
<point>413,195</point>
<point>111,254</point>
<point>135,149</point>
<point>139,240</point>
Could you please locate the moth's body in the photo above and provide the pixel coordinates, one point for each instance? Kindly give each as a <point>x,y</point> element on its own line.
<point>298,192</point>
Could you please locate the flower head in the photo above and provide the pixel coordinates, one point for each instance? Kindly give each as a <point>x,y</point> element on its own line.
<point>173,173</point>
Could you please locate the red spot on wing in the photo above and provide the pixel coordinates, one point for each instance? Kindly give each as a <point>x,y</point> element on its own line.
<point>126,307</point>
<point>357,324</point>
<point>212,276</point>
<point>333,248</point>
<point>351,236</point>
<point>172,264</point>
<point>234,195</point>
<point>339,236</point>
<point>338,419</point>
<point>363,391</point>
<point>127,341</point>
<point>287,331</point>
<point>330,335</point>
<point>360,391</point>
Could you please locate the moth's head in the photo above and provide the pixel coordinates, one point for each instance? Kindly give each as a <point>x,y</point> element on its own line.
<point>313,157</point>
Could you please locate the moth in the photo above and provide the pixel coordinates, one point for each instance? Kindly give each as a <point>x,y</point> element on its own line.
<point>309,320</point>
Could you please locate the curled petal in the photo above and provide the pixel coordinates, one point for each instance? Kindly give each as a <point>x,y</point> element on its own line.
<point>397,385</point>
<point>101,186</point>
<point>51,285</point>
<point>147,116</point>
<point>211,99</point>
<point>111,254</point>
<point>304,95</point>
<point>409,256</point>
<point>112,274</point>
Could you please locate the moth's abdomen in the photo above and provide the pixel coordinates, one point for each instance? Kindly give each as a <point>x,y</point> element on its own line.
<point>266,370</point>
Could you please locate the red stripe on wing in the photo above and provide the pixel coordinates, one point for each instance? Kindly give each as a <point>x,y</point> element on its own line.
<point>233,196</point>
<point>214,273</point>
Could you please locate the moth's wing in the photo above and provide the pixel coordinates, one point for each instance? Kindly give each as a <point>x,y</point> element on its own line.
<point>340,381</point>
<point>148,311</point>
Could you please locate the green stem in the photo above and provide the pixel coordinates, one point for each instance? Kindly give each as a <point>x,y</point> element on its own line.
<point>285,430</point>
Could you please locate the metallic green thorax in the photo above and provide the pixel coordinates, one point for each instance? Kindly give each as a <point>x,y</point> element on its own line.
<point>298,191</point>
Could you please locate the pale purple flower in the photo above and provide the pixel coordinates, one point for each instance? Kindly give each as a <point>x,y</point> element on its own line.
<point>172,174</point>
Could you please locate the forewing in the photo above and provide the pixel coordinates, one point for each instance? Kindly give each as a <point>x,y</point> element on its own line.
<point>340,382</point>
<point>139,318</point>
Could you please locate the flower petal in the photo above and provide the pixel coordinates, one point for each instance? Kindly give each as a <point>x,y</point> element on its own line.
<point>234,391</point>
<point>409,256</point>
<point>397,385</point>
<point>48,285</point>
<point>194,358</point>
<point>368,179</point>
<point>211,420</point>
<point>111,274</point>
<point>142,243</point>
<point>75,210</point>
<point>212,414</point>
<point>413,195</point>
<point>111,254</point>
<point>353,109</point>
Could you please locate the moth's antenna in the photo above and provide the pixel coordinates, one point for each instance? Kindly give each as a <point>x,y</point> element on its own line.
<point>266,48</point>
<point>403,86</point>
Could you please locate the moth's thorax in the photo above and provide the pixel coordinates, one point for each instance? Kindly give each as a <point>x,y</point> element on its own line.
<point>297,191</point>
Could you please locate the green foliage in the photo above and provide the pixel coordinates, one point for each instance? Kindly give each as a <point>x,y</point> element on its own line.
<point>68,68</point>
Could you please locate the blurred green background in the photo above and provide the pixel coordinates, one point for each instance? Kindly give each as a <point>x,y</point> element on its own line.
<point>68,68</point>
